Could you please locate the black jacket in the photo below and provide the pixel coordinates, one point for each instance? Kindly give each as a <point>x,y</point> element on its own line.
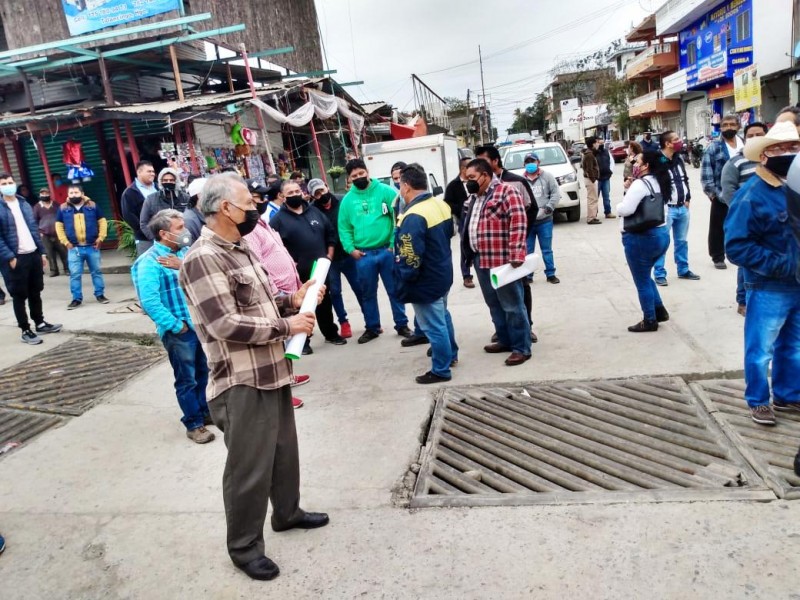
<point>332,213</point>
<point>132,201</point>
<point>604,162</point>
<point>306,236</point>
<point>455,195</point>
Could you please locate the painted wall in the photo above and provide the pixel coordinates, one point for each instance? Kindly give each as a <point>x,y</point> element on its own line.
<point>772,35</point>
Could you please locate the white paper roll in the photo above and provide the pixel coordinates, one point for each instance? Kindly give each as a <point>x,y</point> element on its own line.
<point>319,272</point>
<point>505,274</point>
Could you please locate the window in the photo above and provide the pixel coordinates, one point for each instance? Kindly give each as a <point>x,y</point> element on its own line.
<point>743,26</point>
<point>691,53</point>
<point>619,64</point>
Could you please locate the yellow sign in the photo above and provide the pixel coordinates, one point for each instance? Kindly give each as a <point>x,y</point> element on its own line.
<point>747,88</point>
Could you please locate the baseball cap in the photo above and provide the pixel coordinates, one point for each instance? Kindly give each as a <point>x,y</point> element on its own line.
<point>314,185</point>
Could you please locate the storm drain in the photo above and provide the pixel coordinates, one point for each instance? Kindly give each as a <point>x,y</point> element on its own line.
<point>17,427</point>
<point>72,377</point>
<point>771,450</point>
<point>601,441</point>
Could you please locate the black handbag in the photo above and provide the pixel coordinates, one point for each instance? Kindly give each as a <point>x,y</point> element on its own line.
<point>649,213</point>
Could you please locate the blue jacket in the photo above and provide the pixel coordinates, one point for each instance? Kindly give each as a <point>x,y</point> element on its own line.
<point>759,237</point>
<point>91,223</point>
<point>714,159</point>
<point>9,241</point>
<point>424,262</point>
<point>159,291</point>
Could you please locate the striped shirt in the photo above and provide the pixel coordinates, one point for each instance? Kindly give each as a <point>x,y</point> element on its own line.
<point>268,248</point>
<point>735,172</point>
<point>159,292</point>
<point>237,318</point>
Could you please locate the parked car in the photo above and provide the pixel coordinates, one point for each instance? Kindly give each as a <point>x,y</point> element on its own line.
<point>575,152</point>
<point>619,150</point>
<point>552,159</point>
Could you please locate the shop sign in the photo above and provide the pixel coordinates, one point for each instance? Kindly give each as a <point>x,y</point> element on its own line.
<point>747,88</point>
<point>721,91</point>
<point>85,16</point>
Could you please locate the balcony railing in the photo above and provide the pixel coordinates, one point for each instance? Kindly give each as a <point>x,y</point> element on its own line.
<point>648,53</point>
<point>639,100</point>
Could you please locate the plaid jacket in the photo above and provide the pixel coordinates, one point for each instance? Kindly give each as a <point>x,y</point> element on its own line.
<point>714,159</point>
<point>501,226</point>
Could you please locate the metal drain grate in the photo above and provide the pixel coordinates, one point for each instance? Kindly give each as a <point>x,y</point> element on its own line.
<point>70,378</point>
<point>18,427</point>
<point>640,439</point>
<point>771,450</point>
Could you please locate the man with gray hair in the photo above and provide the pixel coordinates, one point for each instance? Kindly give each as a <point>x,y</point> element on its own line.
<point>242,326</point>
<point>169,195</point>
<point>155,278</point>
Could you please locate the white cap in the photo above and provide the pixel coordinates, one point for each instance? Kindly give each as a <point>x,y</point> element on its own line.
<point>196,186</point>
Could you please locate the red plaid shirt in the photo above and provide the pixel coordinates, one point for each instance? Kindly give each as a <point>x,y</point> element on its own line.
<point>502,224</point>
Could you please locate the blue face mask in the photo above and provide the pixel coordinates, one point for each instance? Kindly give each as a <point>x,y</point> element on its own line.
<point>531,168</point>
<point>396,184</point>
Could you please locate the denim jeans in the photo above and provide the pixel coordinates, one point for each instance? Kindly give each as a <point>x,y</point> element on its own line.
<point>741,292</point>
<point>604,189</point>
<point>190,367</point>
<point>641,252</point>
<point>376,263</point>
<point>77,257</point>
<point>544,231</point>
<point>678,223</point>
<point>436,323</point>
<point>347,267</point>
<point>507,308</point>
<point>772,333</point>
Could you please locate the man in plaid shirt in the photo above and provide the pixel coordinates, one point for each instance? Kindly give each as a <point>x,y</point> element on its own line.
<point>495,225</point>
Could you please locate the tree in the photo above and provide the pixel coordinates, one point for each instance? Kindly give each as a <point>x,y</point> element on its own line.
<point>533,117</point>
<point>455,105</point>
<point>616,93</point>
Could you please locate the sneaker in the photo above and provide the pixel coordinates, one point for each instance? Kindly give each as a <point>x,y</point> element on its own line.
<point>689,275</point>
<point>786,406</point>
<point>594,222</point>
<point>298,380</point>
<point>742,309</point>
<point>336,341</point>
<point>404,331</point>
<point>763,415</point>
<point>414,340</point>
<point>431,377</point>
<point>45,327</point>
<point>662,281</point>
<point>297,403</point>
<point>661,314</point>
<point>469,283</point>
<point>368,336</point>
<point>720,264</point>
<point>610,216</point>
<point>74,304</point>
<point>103,300</point>
<point>643,326</point>
<point>201,435</point>
<point>31,338</point>
<point>345,330</point>
<point>553,279</point>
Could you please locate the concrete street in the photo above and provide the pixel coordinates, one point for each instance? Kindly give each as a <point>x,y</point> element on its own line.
<point>117,503</point>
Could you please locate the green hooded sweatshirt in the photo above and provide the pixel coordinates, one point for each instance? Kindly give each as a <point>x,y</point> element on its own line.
<point>366,219</point>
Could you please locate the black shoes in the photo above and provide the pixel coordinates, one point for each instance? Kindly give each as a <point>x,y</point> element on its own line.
<point>368,336</point>
<point>307,349</point>
<point>45,327</point>
<point>404,331</point>
<point>262,569</point>
<point>431,377</point>
<point>74,304</point>
<point>102,299</point>
<point>689,275</point>
<point>720,264</point>
<point>553,279</point>
<point>643,326</point>
<point>336,341</point>
<point>309,521</point>
<point>414,340</point>
<point>661,314</point>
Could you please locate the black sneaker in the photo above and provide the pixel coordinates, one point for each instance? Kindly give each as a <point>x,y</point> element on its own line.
<point>414,340</point>
<point>368,336</point>
<point>404,331</point>
<point>102,299</point>
<point>720,264</point>
<point>553,279</point>
<point>661,314</point>
<point>336,341</point>
<point>45,327</point>
<point>74,304</point>
<point>28,337</point>
<point>689,275</point>
<point>430,377</point>
<point>643,326</point>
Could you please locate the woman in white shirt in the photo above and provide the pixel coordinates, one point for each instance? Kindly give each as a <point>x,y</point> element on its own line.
<point>651,176</point>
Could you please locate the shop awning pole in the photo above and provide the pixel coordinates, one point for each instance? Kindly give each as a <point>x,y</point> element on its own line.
<point>187,126</point>
<point>132,143</point>
<point>176,71</point>
<point>4,156</point>
<point>21,163</point>
<point>322,172</point>
<point>37,138</point>
<point>123,159</point>
<point>353,138</point>
<point>230,77</point>
<point>259,116</point>
<point>112,196</point>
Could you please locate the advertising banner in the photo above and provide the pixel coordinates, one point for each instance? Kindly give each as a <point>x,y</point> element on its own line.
<point>85,16</point>
<point>569,105</point>
<point>747,88</point>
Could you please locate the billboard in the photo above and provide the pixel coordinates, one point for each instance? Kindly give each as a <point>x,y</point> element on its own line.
<point>85,16</point>
<point>717,44</point>
<point>747,88</point>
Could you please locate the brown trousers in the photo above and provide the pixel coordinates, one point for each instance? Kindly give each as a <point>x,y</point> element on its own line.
<point>591,199</point>
<point>262,465</point>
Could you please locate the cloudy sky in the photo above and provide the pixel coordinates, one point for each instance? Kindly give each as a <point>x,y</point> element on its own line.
<point>383,42</point>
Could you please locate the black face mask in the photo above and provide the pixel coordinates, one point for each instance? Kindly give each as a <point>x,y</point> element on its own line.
<point>261,207</point>
<point>780,164</point>
<point>75,200</point>
<point>325,199</point>
<point>169,186</point>
<point>251,219</point>
<point>294,201</point>
<point>473,187</point>
<point>44,199</point>
<point>729,134</point>
<point>361,183</point>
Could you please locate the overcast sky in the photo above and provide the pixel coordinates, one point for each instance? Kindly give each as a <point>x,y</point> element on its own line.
<point>383,42</point>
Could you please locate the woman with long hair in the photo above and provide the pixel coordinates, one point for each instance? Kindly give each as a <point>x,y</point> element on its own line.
<point>643,248</point>
<point>634,150</point>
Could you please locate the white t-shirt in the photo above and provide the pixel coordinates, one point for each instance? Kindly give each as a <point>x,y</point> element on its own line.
<point>26,243</point>
<point>635,194</point>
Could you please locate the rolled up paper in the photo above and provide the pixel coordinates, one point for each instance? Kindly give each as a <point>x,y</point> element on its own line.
<point>294,345</point>
<point>505,274</point>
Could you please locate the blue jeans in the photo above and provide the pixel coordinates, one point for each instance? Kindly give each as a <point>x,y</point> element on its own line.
<point>77,257</point>
<point>641,252</point>
<point>435,321</point>
<point>376,263</point>
<point>507,308</point>
<point>678,222</point>
<point>604,188</point>
<point>347,267</point>
<point>544,231</point>
<point>190,367</point>
<point>741,293</point>
<point>772,333</point>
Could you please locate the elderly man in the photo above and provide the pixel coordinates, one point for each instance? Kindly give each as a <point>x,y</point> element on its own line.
<point>494,234</point>
<point>155,278</point>
<point>759,238</point>
<point>242,325</point>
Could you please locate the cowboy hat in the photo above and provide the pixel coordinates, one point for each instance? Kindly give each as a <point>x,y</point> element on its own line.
<point>779,134</point>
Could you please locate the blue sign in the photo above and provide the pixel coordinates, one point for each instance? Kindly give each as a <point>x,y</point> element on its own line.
<point>85,16</point>
<point>718,44</point>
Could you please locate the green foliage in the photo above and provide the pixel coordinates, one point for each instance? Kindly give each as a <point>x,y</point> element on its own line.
<point>455,105</point>
<point>336,172</point>
<point>533,117</point>
<point>125,237</point>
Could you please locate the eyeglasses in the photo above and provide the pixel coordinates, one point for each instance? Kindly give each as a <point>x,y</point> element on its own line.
<point>784,148</point>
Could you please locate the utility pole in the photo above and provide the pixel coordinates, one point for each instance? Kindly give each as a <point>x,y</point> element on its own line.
<point>469,122</point>
<point>483,93</point>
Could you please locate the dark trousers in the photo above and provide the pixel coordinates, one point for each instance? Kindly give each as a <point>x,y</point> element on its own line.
<point>527,298</point>
<point>25,283</point>
<point>324,309</point>
<point>716,231</point>
<point>262,465</point>
<point>466,272</point>
<point>55,250</point>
